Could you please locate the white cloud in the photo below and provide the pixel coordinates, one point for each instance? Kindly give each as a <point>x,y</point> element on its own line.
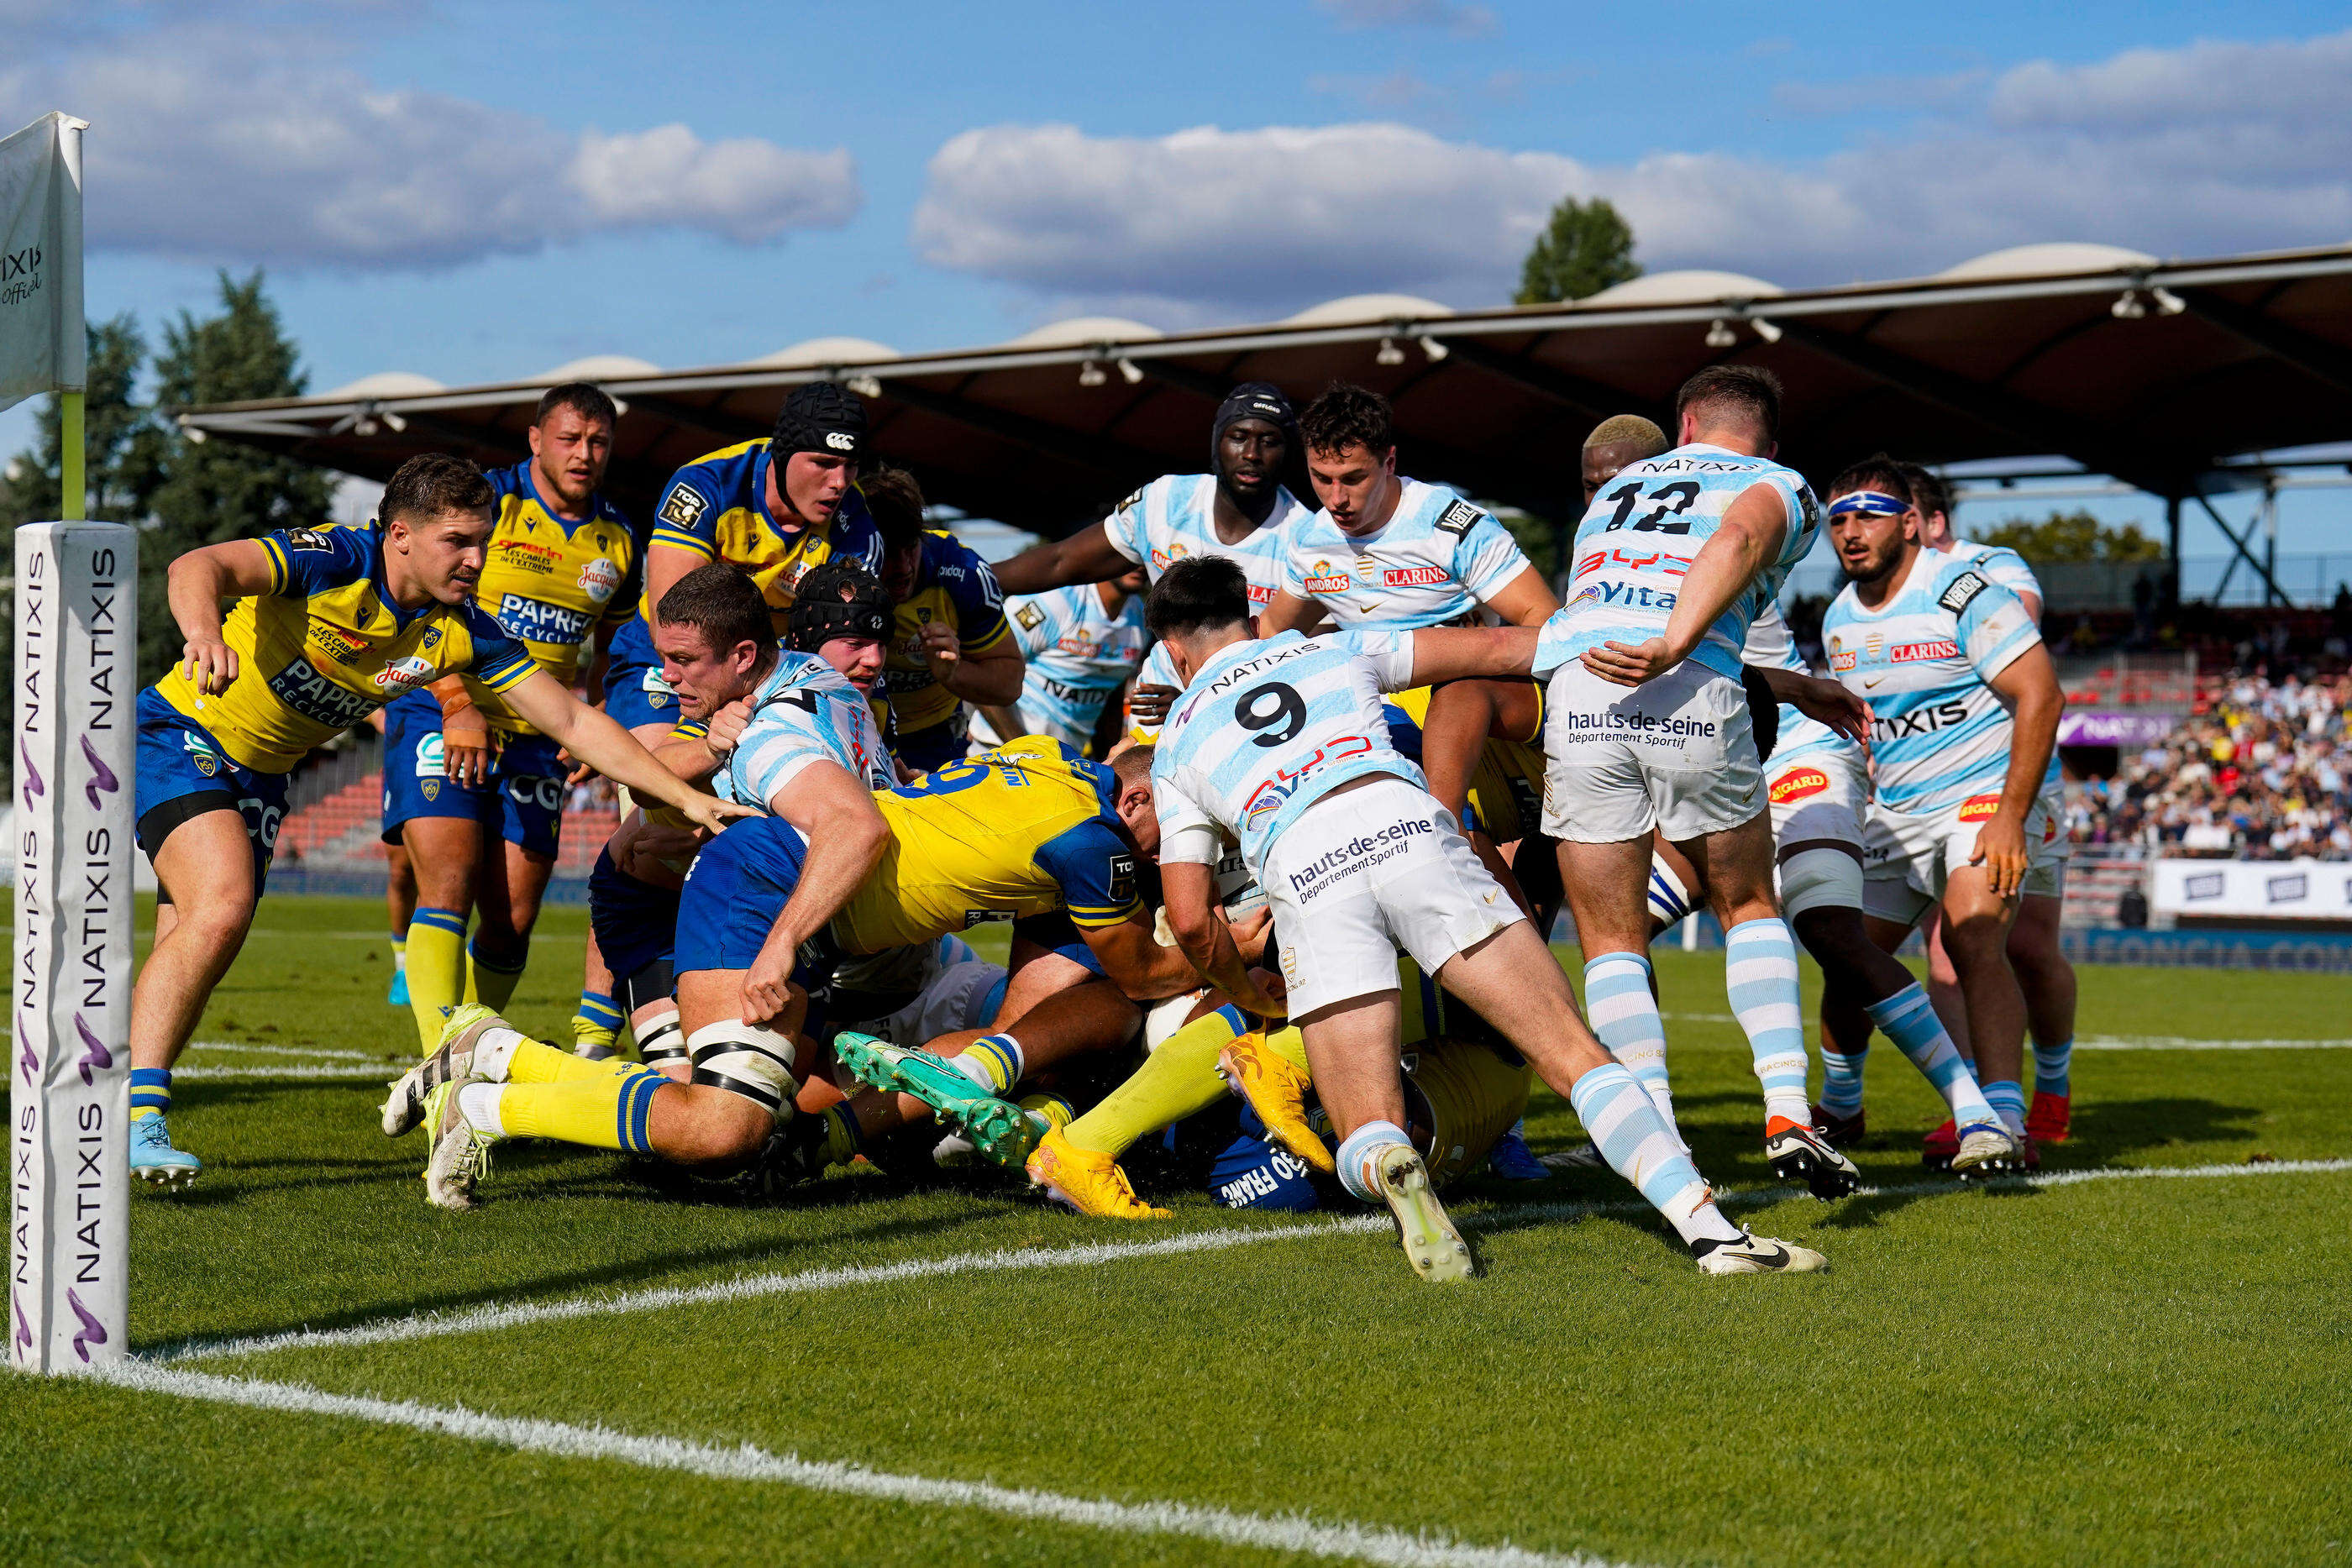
<point>1467,21</point>
<point>2207,149</point>
<point>259,143</point>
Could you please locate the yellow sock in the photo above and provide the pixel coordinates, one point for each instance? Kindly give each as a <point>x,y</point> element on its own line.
<point>1058,1113</point>
<point>533,1062</point>
<point>606,1112</point>
<point>491,981</point>
<point>1288,1044</point>
<point>437,970</point>
<point>1174,1082</point>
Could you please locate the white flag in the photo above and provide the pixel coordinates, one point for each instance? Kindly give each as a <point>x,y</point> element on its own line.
<point>42,348</point>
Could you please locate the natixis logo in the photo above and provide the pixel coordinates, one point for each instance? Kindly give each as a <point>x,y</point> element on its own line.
<point>20,274</point>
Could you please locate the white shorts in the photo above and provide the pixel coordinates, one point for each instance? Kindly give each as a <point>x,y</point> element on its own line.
<point>1676,755</point>
<point>1363,873</point>
<point>2045,873</point>
<point>1819,795</point>
<point>1906,858</point>
<point>954,1000</point>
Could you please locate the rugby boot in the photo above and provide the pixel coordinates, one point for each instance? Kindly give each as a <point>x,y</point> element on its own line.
<point>460,1157</point>
<point>2047,1120</point>
<point>998,1128</point>
<point>1277,1092</point>
<point>397,995</point>
<point>1585,1156</point>
<point>1838,1131</point>
<point>1753,1254</point>
<point>1936,1151</point>
<point>1511,1159</point>
<point>153,1157</point>
<point>405,1106</point>
<point>1800,1153</point>
<point>1432,1245</point>
<point>1987,1149</point>
<point>1086,1180</point>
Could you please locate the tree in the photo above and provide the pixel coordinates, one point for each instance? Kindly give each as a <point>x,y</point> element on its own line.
<point>2072,537</point>
<point>1585,248</point>
<point>215,490</point>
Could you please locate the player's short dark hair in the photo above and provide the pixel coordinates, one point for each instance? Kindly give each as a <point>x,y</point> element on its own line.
<point>432,484</point>
<point>897,503</point>
<point>718,600</point>
<point>1928,492</point>
<point>1749,391</point>
<point>1876,472</point>
<point>1197,593</point>
<point>1132,766</point>
<point>1347,415</point>
<point>590,403</point>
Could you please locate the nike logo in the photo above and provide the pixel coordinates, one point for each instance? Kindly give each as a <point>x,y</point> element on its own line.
<point>1872,685</point>
<point>1779,1256</point>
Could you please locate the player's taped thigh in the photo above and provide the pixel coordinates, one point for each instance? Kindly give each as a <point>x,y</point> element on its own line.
<point>1820,878</point>
<point>746,1059</point>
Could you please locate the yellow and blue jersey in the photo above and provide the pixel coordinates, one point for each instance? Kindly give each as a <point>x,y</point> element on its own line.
<point>1028,829</point>
<point>951,585</point>
<point>716,507</point>
<point>550,582</point>
<point>326,646</point>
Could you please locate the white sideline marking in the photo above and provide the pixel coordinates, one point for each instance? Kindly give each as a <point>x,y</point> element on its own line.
<point>1292,1532</point>
<point>309,1050</point>
<point>2182,1042</point>
<point>484,1320</point>
<point>382,1074</point>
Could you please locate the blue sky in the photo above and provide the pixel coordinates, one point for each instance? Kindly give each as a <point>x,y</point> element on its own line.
<point>473,191</point>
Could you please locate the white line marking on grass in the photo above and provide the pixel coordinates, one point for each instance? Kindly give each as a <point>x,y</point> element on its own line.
<point>381,1075</point>
<point>485,1320</point>
<point>309,1051</point>
<point>1293,1532</point>
<point>2182,1042</point>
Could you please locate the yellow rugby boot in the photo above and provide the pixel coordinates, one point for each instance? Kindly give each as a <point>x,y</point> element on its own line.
<point>1277,1092</point>
<point>1088,1181</point>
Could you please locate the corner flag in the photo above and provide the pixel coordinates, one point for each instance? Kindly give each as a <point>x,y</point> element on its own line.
<point>42,346</point>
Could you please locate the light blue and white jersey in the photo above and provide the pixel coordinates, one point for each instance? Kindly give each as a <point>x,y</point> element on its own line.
<point>1437,559</point>
<point>1267,729</point>
<point>804,712</point>
<point>1642,533</point>
<point>1938,735</point>
<point>1770,646</point>
<point>1999,564</point>
<point>1175,516</point>
<point>1079,656</point>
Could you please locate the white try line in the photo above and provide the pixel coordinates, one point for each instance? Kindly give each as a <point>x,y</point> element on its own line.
<point>486,1320</point>
<point>2182,1042</point>
<point>381,1073</point>
<point>1224,1526</point>
<point>289,1062</point>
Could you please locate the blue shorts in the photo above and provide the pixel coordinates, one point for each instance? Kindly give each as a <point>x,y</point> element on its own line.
<point>523,798</point>
<point>634,692</point>
<point>1057,933</point>
<point>636,922</point>
<point>935,746</point>
<point>734,892</point>
<point>183,772</point>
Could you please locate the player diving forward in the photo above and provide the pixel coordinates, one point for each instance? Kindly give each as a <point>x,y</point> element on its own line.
<point>1280,745</point>
<point>1964,706</point>
<point>328,626</point>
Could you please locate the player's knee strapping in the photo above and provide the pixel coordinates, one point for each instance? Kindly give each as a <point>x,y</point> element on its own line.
<point>1819,879</point>
<point>1670,901</point>
<point>660,1042</point>
<point>1761,976</point>
<point>746,1059</point>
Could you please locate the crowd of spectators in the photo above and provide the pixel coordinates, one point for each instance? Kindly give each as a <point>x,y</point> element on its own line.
<point>2263,773</point>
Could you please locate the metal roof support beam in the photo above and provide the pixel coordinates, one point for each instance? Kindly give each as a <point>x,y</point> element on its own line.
<point>715,420</point>
<point>1588,398</point>
<point>1104,454</point>
<point>2275,594</point>
<point>1184,377</point>
<point>2018,417</point>
<point>2322,361</point>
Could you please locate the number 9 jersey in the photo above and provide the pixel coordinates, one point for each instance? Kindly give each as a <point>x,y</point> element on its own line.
<point>1642,533</point>
<point>1268,728</point>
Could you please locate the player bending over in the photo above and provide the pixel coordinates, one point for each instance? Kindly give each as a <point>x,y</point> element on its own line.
<point>1280,745</point>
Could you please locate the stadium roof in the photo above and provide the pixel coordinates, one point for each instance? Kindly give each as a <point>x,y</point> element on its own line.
<point>2156,372</point>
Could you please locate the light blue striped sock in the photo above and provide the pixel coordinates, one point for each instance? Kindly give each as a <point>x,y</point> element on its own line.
<point>1620,1120</point>
<point>1841,1078</point>
<point>1759,971</point>
<point>2053,1067</point>
<point>1359,1154</point>
<point>1908,1019</point>
<point>1624,1013</point>
<point>2007,1098</point>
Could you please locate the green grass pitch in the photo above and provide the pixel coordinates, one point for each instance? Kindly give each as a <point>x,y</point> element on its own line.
<point>2112,1370</point>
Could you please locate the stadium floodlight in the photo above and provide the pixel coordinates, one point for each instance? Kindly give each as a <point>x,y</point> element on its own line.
<point>1433,347</point>
<point>1719,334</point>
<point>1390,353</point>
<point>77,634</point>
<point>1091,375</point>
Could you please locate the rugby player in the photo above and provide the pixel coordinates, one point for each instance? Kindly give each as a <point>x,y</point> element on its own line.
<point>1648,731</point>
<point>2035,951</point>
<point>951,645</point>
<point>472,792</point>
<point>328,626</point>
<point>1965,707</point>
<point>1237,510</point>
<point>1280,744</point>
<point>1082,644</point>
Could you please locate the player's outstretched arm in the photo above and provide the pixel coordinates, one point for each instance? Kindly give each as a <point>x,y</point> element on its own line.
<point>1526,600</point>
<point>847,838</point>
<point>1206,941</point>
<point>1442,654</point>
<point>1816,698</point>
<point>601,743</point>
<point>197,584</point>
<point>1288,612</point>
<point>1086,555</point>
<point>1136,962</point>
<point>2029,685</point>
<point>1748,541</point>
